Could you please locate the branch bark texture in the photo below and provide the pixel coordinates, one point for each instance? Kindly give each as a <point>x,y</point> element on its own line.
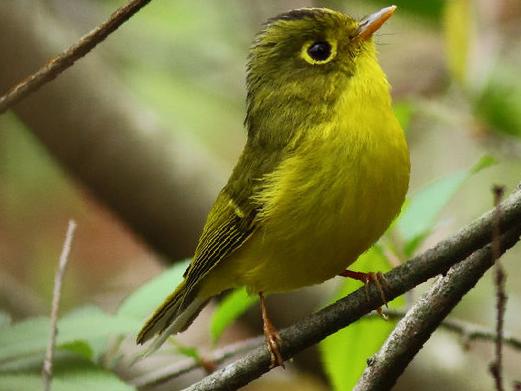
<point>314,328</point>
<point>425,317</point>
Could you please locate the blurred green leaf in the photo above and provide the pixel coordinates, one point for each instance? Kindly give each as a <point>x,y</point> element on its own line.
<point>345,353</point>
<point>149,296</point>
<point>189,351</point>
<point>458,21</point>
<point>81,378</point>
<point>403,111</point>
<point>82,348</point>
<point>25,337</point>
<point>233,306</point>
<point>499,104</point>
<point>422,209</point>
<point>86,324</point>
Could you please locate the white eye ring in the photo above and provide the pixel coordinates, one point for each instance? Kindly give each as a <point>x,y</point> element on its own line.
<point>318,52</point>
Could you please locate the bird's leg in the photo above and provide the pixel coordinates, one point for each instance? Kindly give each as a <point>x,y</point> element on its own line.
<point>366,278</point>
<point>271,334</point>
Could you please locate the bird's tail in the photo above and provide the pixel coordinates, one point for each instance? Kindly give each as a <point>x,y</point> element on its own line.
<point>176,313</point>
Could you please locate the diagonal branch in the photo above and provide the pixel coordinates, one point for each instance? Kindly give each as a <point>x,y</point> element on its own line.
<point>108,141</point>
<point>66,59</point>
<point>317,326</point>
<point>218,356</point>
<point>424,317</point>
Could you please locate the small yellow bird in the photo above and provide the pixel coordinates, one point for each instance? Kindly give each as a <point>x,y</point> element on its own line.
<point>324,171</point>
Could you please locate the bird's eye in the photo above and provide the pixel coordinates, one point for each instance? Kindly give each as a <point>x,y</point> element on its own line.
<point>318,52</point>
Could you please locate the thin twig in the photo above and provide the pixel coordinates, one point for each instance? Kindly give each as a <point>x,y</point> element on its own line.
<point>496,367</point>
<point>67,58</point>
<point>56,294</point>
<point>179,368</point>
<point>315,327</point>
<point>468,331</point>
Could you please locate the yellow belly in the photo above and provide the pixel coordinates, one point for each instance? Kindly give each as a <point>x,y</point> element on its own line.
<point>329,200</point>
<point>324,207</point>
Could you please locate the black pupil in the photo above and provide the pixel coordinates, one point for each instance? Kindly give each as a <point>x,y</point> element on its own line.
<point>320,51</point>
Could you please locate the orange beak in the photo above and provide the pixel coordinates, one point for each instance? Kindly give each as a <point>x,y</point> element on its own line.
<point>374,21</point>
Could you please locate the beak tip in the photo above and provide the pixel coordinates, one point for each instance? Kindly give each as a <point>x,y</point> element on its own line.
<point>375,21</point>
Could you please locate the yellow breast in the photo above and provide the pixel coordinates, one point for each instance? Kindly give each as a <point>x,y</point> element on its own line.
<point>332,198</point>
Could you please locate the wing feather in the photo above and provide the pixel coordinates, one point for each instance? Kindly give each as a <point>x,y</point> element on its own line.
<point>233,218</point>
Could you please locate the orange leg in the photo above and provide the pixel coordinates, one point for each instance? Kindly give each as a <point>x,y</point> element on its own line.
<point>271,334</point>
<point>367,278</point>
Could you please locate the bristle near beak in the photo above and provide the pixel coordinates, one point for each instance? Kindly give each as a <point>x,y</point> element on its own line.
<point>374,21</point>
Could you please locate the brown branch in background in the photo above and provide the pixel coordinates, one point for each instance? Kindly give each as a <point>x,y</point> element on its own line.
<point>327,321</point>
<point>468,331</point>
<point>114,145</point>
<point>66,59</point>
<point>179,368</point>
<point>56,294</point>
<point>496,367</point>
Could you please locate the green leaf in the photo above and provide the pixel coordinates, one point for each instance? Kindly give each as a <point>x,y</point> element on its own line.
<point>499,103</point>
<point>404,112</point>
<point>87,324</point>
<point>345,353</point>
<point>82,348</point>
<point>80,377</point>
<point>423,208</point>
<point>186,350</point>
<point>145,299</point>
<point>233,306</point>
<point>27,337</point>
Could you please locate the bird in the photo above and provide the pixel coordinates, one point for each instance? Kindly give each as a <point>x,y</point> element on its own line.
<point>324,171</point>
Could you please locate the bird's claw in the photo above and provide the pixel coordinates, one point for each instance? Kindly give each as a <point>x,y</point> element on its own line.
<point>273,342</point>
<point>377,278</point>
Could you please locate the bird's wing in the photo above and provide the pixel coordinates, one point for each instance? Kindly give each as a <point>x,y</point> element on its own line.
<point>227,228</point>
<point>233,218</point>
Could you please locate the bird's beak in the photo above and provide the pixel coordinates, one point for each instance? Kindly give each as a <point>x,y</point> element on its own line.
<point>373,22</point>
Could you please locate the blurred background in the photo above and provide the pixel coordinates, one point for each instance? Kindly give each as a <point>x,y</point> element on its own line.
<point>135,141</point>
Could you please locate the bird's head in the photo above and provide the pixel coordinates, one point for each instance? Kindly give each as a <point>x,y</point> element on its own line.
<point>302,60</point>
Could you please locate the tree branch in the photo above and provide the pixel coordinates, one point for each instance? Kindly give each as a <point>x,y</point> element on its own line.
<point>468,331</point>
<point>56,295</point>
<point>179,368</point>
<point>327,321</point>
<point>496,367</point>
<point>60,63</point>
<point>425,316</point>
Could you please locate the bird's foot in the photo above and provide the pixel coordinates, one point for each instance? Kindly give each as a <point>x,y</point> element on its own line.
<point>273,342</point>
<point>272,336</point>
<point>377,278</point>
